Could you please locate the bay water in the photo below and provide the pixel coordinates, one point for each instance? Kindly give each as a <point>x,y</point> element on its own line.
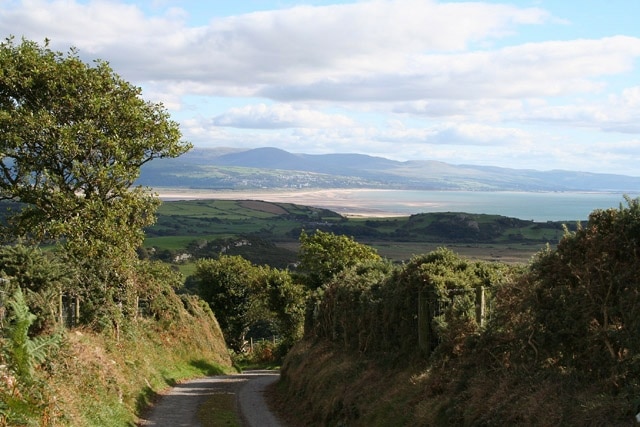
<point>537,206</point>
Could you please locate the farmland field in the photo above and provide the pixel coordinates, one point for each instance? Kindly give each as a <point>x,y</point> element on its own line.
<point>269,232</point>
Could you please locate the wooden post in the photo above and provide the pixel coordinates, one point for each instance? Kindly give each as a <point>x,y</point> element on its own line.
<point>424,324</point>
<point>480,306</point>
<point>61,309</point>
<point>76,311</point>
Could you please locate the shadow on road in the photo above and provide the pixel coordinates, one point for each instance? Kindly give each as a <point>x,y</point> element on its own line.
<point>179,406</point>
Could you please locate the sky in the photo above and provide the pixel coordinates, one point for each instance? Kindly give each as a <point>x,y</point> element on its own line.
<point>527,84</point>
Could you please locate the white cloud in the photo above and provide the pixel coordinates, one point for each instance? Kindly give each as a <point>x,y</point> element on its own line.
<point>476,134</point>
<point>410,78</point>
<point>532,70</point>
<point>278,116</point>
<point>617,113</point>
<point>396,50</point>
<point>302,44</point>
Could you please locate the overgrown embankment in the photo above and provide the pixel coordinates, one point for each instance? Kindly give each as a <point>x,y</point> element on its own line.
<point>99,380</point>
<point>105,370</point>
<point>443,341</point>
<point>322,384</point>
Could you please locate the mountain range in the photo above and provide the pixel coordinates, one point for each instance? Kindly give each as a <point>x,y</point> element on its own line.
<point>273,168</point>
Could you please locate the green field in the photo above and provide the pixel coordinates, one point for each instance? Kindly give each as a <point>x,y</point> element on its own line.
<point>270,232</point>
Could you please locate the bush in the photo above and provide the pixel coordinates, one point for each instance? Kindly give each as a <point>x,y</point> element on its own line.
<point>24,400</point>
<point>585,296</point>
<point>374,307</point>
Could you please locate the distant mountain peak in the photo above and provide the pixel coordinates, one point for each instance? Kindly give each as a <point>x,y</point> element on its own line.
<point>267,167</point>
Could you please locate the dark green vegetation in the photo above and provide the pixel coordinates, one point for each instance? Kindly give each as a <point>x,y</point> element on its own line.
<point>251,301</point>
<point>268,233</point>
<point>442,340</point>
<point>225,168</point>
<point>89,333</point>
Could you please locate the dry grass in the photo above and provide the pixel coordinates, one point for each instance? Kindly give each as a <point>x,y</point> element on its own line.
<point>219,411</point>
<point>326,386</point>
<point>98,380</point>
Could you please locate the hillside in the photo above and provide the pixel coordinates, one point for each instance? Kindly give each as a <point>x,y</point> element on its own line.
<point>201,228</point>
<point>225,168</point>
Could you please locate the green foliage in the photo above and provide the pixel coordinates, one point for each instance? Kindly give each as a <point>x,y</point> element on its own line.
<point>21,401</point>
<point>584,302</point>
<point>374,307</point>
<point>226,284</point>
<point>244,296</point>
<point>449,285</point>
<point>23,352</point>
<point>350,306</point>
<point>287,301</point>
<point>560,345</point>
<point>41,276</point>
<point>74,137</point>
<point>323,255</point>
<point>156,285</point>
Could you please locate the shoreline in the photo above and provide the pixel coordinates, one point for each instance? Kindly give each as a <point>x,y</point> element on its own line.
<point>385,203</point>
<point>338,200</point>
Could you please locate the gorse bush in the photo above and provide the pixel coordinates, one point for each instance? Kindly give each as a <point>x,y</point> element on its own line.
<point>349,307</point>
<point>582,299</point>
<point>376,307</point>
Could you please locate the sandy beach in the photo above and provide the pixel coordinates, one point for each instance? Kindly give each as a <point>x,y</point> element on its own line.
<point>348,202</point>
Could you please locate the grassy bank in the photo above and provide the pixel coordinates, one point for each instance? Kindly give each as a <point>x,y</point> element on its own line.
<point>99,379</point>
<point>325,385</point>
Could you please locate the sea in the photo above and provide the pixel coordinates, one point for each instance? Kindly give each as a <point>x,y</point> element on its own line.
<point>536,206</point>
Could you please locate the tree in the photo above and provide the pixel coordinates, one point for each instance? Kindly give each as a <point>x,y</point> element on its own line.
<point>227,284</point>
<point>73,137</point>
<point>323,255</point>
<point>287,301</point>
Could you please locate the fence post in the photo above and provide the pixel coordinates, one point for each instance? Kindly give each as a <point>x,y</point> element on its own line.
<point>61,309</point>
<point>480,306</point>
<point>424,324</point>
<point>76,311</point>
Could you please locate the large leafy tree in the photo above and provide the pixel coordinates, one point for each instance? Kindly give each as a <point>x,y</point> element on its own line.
<point>243,295</point>
<point>229,285</point>
<point>286,300</point>
<point>73,137</point>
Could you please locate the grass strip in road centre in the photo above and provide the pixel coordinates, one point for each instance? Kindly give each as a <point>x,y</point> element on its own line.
<point>219,410</point>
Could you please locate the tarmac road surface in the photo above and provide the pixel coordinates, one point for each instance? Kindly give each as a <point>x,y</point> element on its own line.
<point>179,406</point>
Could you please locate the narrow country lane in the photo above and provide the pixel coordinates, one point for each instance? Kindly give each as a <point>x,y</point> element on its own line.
<point>179,406</point>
